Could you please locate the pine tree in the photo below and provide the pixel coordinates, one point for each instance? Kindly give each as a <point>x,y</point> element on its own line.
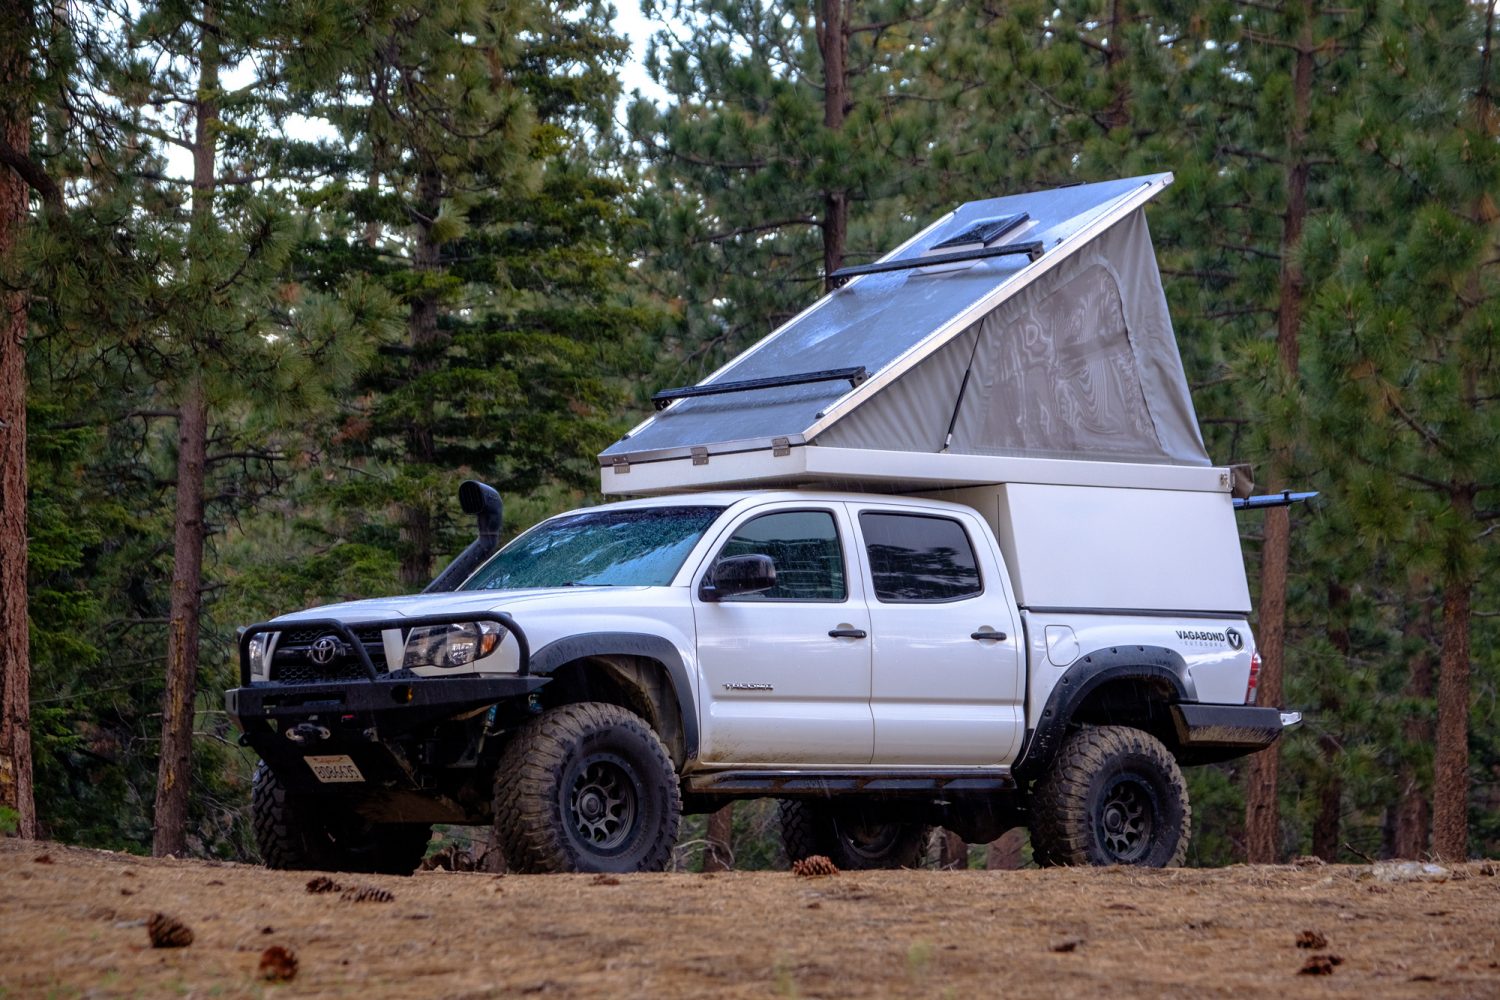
<point>790,133</point>
<point>1407,322</point>
<point>482,206</point>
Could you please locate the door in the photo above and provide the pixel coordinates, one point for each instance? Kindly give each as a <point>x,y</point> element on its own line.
<point>946,677</point>
<point>786,672</point>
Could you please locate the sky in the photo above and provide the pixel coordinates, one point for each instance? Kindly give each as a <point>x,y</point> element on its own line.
<point>630,22</point>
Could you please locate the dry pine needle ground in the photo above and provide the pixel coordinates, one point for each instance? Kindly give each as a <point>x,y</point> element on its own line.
<point>76,927</point>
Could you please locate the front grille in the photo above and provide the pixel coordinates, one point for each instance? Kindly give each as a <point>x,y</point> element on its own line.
<point>292,663</point>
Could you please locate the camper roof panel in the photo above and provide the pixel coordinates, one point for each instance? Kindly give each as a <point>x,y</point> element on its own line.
<point>877,320</point>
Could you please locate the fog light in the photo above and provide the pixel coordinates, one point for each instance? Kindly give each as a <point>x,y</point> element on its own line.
<point>402,694</point>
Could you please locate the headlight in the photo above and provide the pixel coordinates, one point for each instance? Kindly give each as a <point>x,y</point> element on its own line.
<point>451,645</point>
<point>258,645</point>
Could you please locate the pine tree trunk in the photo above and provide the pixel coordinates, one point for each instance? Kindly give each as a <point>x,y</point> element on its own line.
<point>718,855</point>
<point>1413,808</point>
<point>953,853</point>
<point>1327,822</point>
<point>1262,814</point>
<point>15,656</point>
<point>1004,853</point>
<point>1116,57</point>
<point>1450,785</point>
<point>423,336</point>
<point>174,769</point>
<point>833,43</point>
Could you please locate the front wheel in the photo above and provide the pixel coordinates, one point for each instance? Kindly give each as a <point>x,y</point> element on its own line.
<point>852,837</point>
<point>587,788</point>
<point>1113,796</point>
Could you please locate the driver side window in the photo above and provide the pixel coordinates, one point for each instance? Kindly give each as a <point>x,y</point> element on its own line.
<point>804,545</point>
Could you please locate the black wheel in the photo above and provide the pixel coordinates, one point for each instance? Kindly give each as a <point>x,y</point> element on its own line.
<point>850,836</point>
<point>295,832</point>
<point>1114,796</point>
<point>587,788</point>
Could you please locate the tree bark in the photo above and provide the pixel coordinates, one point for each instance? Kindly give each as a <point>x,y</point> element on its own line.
<point>833,44</point>
<point>718,854</point>
<point>1413,810</point>
<point>423,335</point>
<point>1262,814</point>
<point>15,653</point>
<point>1450,769</point>
<point>953,853</point>
<point>174,769</point>
<point>1328,821</point>
<point>1004,853</point>
<point>1116,58</point>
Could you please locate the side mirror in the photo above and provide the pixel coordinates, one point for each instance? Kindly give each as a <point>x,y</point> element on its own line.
<point>733,575</point>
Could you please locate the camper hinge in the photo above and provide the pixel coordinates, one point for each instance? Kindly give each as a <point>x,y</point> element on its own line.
<point>700,455</point>
<point>621,465</point>
<point>781,447</point>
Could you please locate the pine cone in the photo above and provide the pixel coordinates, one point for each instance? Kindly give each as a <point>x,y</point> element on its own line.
<point>278,964</point>
<point>168,932</point>
<point>814,866</point>
<point>1311,939</point>
<point>322,883</point>
<point>367,894</point>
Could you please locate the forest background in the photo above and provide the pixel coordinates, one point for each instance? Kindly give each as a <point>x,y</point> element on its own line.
<point>277,276</point>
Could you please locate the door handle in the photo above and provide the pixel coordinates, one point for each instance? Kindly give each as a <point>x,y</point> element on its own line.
<point>847,633</point>
<point>997,636</point>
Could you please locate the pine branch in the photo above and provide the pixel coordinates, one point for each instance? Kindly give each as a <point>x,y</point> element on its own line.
<point>32,173</point>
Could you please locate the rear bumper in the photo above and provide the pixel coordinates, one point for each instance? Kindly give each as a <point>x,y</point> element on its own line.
<point>1219,732</point>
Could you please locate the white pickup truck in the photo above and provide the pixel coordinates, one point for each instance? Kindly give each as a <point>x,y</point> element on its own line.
<point>860,657</point>
<point>1030,610</point>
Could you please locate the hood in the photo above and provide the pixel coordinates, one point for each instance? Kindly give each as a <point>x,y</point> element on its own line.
<point>449,602</point>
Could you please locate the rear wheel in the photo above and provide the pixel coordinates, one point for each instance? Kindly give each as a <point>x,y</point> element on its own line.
<point>294,831</point>
<point>587,788</point>
<point>1114,796</point>
<point>850,836</point>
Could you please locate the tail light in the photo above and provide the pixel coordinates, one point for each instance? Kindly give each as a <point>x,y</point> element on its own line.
<point>1254,678</point>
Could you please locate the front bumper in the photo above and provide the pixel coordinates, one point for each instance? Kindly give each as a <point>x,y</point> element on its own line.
<point>383,723</point>
<point>1220,732</point>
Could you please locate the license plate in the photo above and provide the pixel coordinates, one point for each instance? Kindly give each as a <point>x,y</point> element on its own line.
<point>333,769</point>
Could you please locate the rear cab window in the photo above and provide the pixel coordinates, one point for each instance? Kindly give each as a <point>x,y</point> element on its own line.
<point>919,558</point>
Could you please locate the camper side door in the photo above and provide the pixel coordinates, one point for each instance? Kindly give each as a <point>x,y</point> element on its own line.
<point>947,674</point>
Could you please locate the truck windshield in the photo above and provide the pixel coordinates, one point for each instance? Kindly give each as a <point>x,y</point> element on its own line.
<point>608,548</point>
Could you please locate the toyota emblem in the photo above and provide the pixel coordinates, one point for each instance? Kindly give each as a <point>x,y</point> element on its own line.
<point>324,650</point>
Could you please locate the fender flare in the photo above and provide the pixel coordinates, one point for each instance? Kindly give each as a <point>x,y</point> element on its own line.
<point>546,660</point>
<point>1083,678</point>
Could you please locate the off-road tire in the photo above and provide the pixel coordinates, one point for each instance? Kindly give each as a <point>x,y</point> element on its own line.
<point>294,833</point>
<point>849,836</point>
<point>1113,796</point>
<point>586,788</point>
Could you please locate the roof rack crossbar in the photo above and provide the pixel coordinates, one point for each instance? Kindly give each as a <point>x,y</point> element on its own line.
<point>853,375</point>
<point>1032,249</point>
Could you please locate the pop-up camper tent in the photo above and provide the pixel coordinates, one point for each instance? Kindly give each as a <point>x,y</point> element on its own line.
<point>1015,350</point>
<point>1028,327</point>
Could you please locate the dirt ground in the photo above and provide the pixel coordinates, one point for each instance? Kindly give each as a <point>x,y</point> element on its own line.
<point>73,923</point>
